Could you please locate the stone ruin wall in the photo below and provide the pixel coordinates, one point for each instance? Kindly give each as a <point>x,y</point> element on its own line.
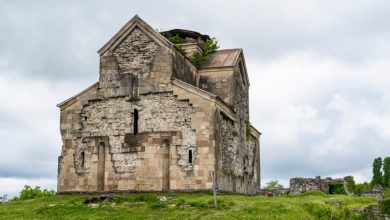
<point>113,118</point>
<point>239,149</point>
<point>110,114</point>
<point>136,74</point>
<point>301,185</point>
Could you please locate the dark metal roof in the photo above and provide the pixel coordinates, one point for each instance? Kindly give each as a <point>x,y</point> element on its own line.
<point>221,58</point>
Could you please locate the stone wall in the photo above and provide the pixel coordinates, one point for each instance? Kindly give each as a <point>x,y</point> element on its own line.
<point>183,69</point>
<point>113,118</point>
<point>135,52</point>
<point>301,185</point>
<point>219,82</point>
<point>239,148</point>
<point>146,126</point>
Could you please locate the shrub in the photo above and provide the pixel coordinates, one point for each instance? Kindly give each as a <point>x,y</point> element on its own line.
<point>158,205</point>
<point>181,203</point>
<point>361,187</point>
<point>177,41</point>
<point>385,206</point>
<point>31,193</point>
<point>210,46</point>
<point>314,193</point>
<point>273,184</point>
<point>336,188</point>
<point>148,198</point>
<point>387,193</point>
<point>197,58</point>
<point>350,183</point>
<point>198,204</point>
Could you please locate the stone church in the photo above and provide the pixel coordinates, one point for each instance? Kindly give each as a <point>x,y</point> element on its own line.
<point>157,122</point>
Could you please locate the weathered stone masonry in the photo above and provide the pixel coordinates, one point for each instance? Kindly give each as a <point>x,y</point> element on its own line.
<point>153,121</point>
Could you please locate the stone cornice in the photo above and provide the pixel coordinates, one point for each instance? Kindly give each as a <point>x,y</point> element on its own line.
<point>77,97</point>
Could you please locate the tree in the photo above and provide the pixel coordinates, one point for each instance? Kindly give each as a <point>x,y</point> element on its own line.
<point>351,185</point>
<point>386,172</point>
<point>361,187</point>
<point>31,193</point>
<point>377,171</point>
<point>273,184</point>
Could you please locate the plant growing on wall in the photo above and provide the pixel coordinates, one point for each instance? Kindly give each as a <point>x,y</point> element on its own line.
<point>176,40</point>
<point>234,133</point>
<point>210,46</point>
<point>248,129</point>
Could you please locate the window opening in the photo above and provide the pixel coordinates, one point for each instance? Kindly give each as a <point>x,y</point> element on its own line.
<point>135,125</point>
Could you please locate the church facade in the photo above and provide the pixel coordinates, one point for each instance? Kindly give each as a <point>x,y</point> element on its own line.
<point>157,122</point>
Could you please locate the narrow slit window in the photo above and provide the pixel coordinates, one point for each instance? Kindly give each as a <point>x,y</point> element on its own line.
<point>82,159</point>
<point>135,125</point>
<point>190,156</point>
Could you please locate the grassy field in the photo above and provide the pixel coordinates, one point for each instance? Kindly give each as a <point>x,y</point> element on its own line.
<point>313,205</point>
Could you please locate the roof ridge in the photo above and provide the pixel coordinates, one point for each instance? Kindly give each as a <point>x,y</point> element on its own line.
<point>229,49</point>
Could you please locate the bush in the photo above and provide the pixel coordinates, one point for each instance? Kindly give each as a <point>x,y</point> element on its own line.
<point>336,188</point>
<point>157,205</point>
<point>387,193</point>
<point>322,211</point>
<point>273,184</point>
<point>361,187</point>
<point>351,185</point>
<point>385,206</point>
<point>314,193</point>
<point>31,193</point>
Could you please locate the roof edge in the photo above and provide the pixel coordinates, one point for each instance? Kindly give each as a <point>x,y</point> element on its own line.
<point>207,95</point>
<point>254,131</point>
<point>131,23</point>
<point>60,105</point>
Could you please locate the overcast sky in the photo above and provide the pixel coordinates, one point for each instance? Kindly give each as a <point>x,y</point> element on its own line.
<point>319,74</point>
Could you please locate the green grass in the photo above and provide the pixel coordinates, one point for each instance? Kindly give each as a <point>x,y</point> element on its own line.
<point>311,205</point>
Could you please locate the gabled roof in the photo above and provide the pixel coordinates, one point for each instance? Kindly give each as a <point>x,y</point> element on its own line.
<point>135,22</point>
<point>76,97</point>
<point>221,58</point>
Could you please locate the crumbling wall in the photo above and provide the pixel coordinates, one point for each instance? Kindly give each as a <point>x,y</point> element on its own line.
<point>136,73</point>
<point>135,52</point>
<point>114,118</point>
<point>301,185</point>
<point>229,144</point>
<point>239,149</point>
<point>163,112</point>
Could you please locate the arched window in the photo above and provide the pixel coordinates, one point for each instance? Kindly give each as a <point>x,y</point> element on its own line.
<point>189,156</point>
<point>135,122</point>
<point>82,159</point>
